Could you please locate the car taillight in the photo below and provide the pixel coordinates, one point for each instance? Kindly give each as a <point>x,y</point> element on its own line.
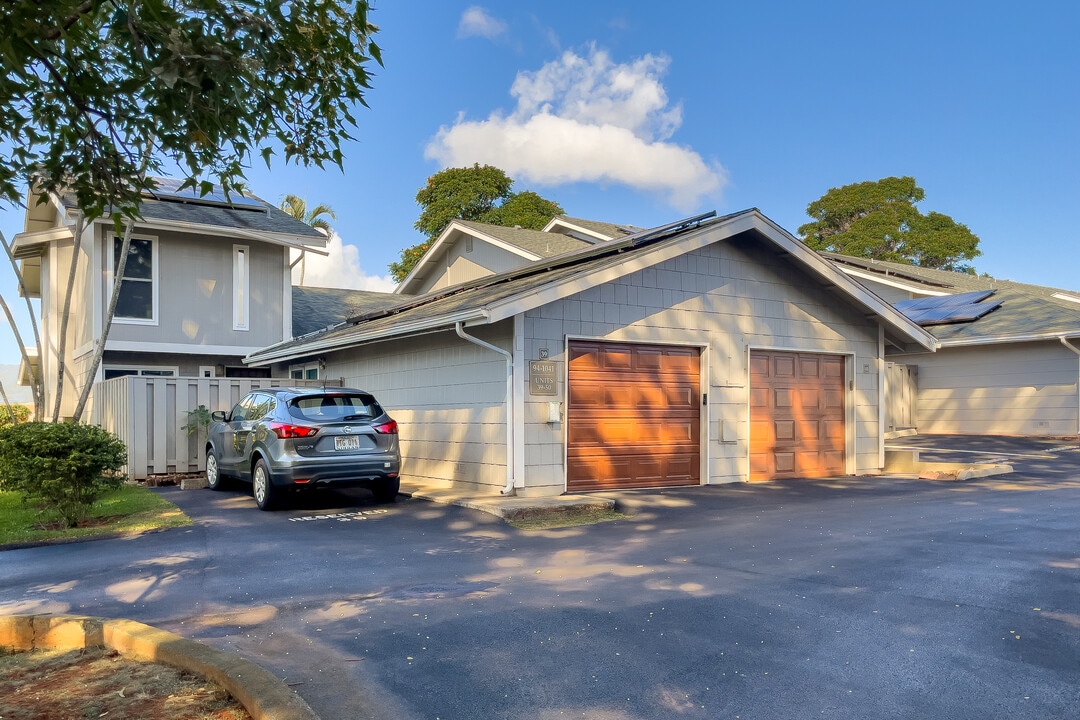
<point>387,428</point>
<point>284,430</point>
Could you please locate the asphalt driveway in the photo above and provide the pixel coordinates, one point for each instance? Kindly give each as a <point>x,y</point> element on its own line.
<point>859,598</point>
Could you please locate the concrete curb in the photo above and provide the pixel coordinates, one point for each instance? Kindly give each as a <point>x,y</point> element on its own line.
<point>513,507</point>
<point>264,696</point>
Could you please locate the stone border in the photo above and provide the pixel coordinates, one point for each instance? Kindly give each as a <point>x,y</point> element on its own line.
<point>264,696</point>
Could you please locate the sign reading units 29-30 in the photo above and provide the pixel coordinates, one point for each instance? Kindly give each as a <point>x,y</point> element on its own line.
<point>542,377</point>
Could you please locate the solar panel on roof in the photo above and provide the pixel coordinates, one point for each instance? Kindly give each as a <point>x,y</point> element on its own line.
<point>169,189</point>
<point>927,303</point>
<point>952,313</point>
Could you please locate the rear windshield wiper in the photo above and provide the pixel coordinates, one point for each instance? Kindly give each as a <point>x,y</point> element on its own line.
<point>355,417</point>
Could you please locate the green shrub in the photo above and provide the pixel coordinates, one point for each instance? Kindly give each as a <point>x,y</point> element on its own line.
<point>65,465</point>
<point>13,414</point>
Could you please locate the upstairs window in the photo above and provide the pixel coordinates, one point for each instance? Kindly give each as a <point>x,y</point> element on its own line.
<point>137,301</point>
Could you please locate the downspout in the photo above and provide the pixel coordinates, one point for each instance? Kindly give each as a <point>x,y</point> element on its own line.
<point>459,326</point>
<point>1065,342</point>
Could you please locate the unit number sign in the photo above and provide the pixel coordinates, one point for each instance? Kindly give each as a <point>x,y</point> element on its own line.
<point>542,377</point>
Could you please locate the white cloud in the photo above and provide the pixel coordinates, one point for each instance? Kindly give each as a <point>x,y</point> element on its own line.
<point>587,119</point>
<point>340,269</point>
<point>475,22</point>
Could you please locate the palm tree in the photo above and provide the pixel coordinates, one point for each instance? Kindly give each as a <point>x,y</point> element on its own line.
<point>297,207</point>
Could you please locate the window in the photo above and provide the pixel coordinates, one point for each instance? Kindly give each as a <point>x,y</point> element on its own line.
<point>304,372</point>
<point>240,287</point>
<point>115,371</point>
<point>137,302</point>
<point>334,407</point>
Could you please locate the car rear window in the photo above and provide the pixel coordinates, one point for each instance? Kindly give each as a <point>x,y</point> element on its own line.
<point>329,408</point>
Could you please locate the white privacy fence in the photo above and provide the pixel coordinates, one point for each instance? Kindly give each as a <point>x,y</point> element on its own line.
<point>149,415</point>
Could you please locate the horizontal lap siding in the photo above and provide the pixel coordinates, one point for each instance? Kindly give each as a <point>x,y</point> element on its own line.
<point>1016,389</point>
<point>448,397</point>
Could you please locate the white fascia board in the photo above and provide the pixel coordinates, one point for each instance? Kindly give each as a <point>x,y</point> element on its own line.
<point>31,244</point>
<point>680,245</point>
<point>707,234</point>
<point>816,263</point>
<point>891,283</point>
<point>428,258</point>
<point>443,243</point>
<point>1003,339</point>
<point>178,348</point>
<point>300,242</point>
<point>266,356</point>
<point>561,222</point>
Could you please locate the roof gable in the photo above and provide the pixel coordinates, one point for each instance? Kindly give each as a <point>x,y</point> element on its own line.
<point>1022,311</point>
<point>246,216</point>
<point>501,296</point>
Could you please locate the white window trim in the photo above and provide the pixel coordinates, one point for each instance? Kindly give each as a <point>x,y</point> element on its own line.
<point>111,277</point>
<point>304,370</point>
<point>241,287</point>
<point>203,369</point>
<point>143,369</point>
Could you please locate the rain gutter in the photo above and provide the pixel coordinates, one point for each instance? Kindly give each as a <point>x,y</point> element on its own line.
<point>459,326</point>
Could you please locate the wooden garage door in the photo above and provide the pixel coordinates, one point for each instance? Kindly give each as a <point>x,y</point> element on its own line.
<point>633,416</point>
<point>796,415</point>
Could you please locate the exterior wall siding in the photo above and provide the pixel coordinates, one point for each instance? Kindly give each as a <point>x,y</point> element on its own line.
<point>725,298</point>
<point>195,292</point>
<point>1013,389</point>
<point>448,397</point>
<point>461,265</point>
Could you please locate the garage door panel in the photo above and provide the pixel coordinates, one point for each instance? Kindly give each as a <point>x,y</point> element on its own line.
<point>783,366</point>
<point>633,416</point>
<point>616,359</point>
<point>797,408</point>
<point>634,433</point>
<point>809,431</point>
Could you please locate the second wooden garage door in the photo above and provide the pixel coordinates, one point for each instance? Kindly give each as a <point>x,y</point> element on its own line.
<point>796,415</point>
<point>633,416</point>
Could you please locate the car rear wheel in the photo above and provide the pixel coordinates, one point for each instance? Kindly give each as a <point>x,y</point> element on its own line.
<point>386,491</point>
<point>213,472</point>
<point>261,486</point>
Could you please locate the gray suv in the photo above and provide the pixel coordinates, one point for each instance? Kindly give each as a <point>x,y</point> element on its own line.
<point>285,439</point>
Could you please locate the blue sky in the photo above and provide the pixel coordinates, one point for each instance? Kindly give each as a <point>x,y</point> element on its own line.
<point>642,113</point>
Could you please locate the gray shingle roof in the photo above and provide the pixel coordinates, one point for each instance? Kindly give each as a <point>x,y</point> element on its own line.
<point>1025,309</point>
<point>315,308</point>
<point>534,241</point>
<point>610,230</point>
<point>262,218</point>
<point>441,306</point>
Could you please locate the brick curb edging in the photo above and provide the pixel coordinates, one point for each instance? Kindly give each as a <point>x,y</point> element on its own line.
<point>263,695</point>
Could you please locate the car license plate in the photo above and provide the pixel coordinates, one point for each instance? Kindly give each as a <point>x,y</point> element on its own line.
<point>347,442</point>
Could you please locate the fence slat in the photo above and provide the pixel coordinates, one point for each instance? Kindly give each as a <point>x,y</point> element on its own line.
<point>148,415</point>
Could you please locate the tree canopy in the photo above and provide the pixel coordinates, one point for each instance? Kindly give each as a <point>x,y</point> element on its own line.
<point>482,193</point>
<point>92,89</point>
<point>878,219</point>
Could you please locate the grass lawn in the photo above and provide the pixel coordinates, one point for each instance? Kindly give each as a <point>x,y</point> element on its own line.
<point>132,508</point>
<point>550,521</point>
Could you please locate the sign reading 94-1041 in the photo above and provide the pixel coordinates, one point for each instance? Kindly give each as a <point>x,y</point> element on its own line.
<point>542,377</point>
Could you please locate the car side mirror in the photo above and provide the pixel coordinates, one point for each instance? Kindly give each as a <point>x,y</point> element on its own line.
<point>218,416</point>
